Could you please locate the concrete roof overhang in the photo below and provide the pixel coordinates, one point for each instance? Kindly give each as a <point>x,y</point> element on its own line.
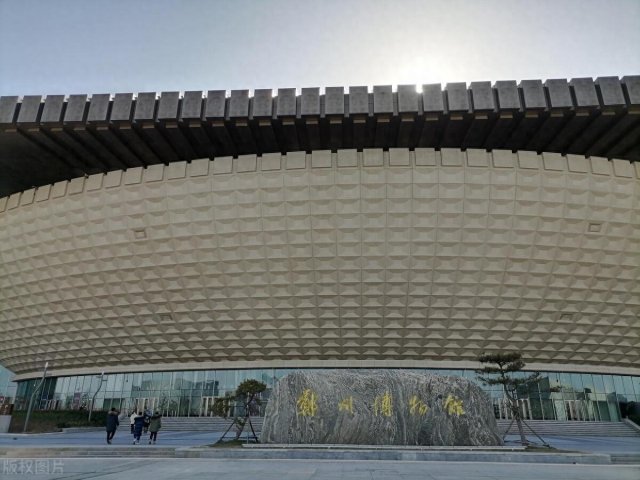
<point>61,138</point>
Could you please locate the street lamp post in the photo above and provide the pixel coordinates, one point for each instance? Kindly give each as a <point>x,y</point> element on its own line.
<point>93,400</point>
<point>33,396</point>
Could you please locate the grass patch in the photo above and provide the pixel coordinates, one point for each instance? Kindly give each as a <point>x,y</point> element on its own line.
<point>541,449</point>
<point>229,444</point>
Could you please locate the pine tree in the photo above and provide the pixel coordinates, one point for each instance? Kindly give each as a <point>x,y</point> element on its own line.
<point>501,373</point>
<point>247,392</point>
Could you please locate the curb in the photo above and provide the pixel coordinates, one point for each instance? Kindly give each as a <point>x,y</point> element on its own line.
<point>397,455</point>
<point>316,454</point>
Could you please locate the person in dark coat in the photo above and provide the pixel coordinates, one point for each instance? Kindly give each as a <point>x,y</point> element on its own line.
<point>112,424</point>
<point>155,423</point>
<point>138,424</point>
<point>147,418</point>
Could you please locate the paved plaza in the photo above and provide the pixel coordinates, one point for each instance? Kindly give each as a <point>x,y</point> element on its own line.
<point>98,438</point>
<point>186,469</point>
<point>606,445</point>
<point>142,468</point>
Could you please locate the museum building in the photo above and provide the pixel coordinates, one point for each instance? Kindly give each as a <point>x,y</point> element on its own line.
<point>156,250</point>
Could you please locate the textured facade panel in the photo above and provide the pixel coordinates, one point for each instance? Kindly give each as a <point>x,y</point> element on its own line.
<point>121,108</point>
<point>432,98</point>
<point>533,94</point>
<point>168,105</point>
<point>98,107</point>
<point>52,111</point>
<point>145,106</point>
<point>358,100</point>
<point>30,109</point>
<point>262,103</point>
<point>239,103</point>
<point>407,99</point>
<point>310,101</point>
<point>507,93</point>
<point>8,109</point>
<point>482,96</point>
<point>76,108</point>
<point>191,105</point>
<point>334,101</point>
<point>405,256</point>
<point>215,104</point>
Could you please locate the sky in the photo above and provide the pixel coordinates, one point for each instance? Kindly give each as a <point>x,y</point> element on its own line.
<point>100,46</point>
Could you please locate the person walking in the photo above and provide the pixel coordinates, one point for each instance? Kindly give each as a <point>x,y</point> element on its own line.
<point>155,424</point>
<point>147,418</point>
<point>112,424</point>
<point>138,423</point>
<point>132,420</point>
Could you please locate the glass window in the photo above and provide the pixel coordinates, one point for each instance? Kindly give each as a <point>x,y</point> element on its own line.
<point>608,384</point>
<point>576,383</point>
<point>187,380</point>
<point>166,380</point>
<point>210,385</point>
<point>60,385</point>
<point>619,385</point>
<point>548,410</point>
<point>156,380</point>
<point>598,383</point>
<point>536,409</point>
<point>627,385</point>
<point>146,382</point>
<point>554,379</point>
<point>565,382</point>
<point>118,381</point>
<point>544,385</point>
<point>48,388</point>
<point>127,385</point>
<point>136,381</point>
<point>587,383</point>
<point>636,385</point>
<point>177,380</point>
<point>110,385</point>
<point>90,383</point>
<point>80,384</point>
<point>226,379</point>
<point>198,380</point>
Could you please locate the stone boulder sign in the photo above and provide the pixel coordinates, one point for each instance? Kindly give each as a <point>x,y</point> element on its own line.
<point>378,407</point>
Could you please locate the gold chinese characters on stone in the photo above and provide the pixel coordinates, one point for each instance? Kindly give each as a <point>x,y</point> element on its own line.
<point>306,403</point>
<point>383,405</point>
<point>417,406</point>
<point>346,405</point>
<point>453,406</point>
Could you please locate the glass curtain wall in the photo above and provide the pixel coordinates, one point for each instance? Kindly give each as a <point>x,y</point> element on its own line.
<point>555,396</point>
<point>7,387</point>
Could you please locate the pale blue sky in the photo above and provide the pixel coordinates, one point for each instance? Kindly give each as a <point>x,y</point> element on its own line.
<point>94,46</point>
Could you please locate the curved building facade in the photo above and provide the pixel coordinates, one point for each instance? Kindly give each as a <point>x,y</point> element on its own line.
<point>180,277</point>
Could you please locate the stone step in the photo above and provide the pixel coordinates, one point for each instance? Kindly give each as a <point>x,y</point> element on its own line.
<point>625,458</point>
<point>564,428</point>
<point>203,424</point>
<point>238,454</point>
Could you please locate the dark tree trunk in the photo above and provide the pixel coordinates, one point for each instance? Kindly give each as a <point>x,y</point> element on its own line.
<point>515,411</point>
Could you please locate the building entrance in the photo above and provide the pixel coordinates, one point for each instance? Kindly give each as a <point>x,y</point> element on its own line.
<point>145,403</point>
<point>206,409</point>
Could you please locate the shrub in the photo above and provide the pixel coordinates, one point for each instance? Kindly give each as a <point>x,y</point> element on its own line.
<point>53,420</point>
